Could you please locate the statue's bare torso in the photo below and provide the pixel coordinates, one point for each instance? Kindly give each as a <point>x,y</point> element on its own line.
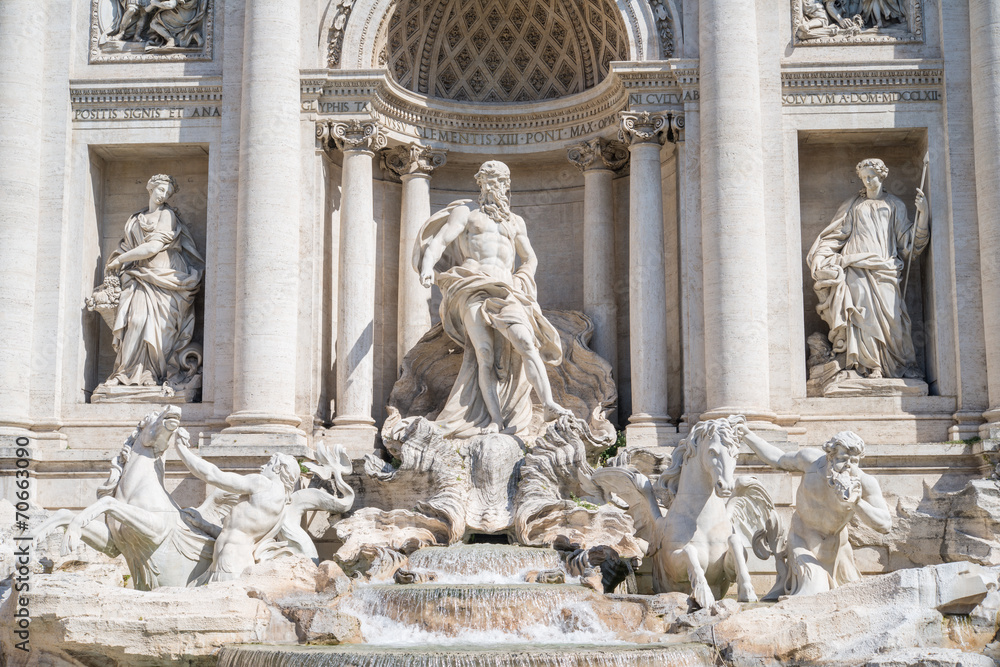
<point>484,245</point>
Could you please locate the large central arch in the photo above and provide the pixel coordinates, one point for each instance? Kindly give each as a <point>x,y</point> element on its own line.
<point>358,34</point>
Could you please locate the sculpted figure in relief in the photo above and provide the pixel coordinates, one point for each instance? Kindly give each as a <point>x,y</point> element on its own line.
<point>490,308</point>
<point>858,264</point>
<point>847,18</point>
<point>150,284</point>
<point>816,555</point>
<point>160,24</point>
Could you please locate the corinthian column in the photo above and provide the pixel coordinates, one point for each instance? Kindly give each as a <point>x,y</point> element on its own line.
<point>359,140</point>
<point>267,260</point>
<point>414,165</point>
<point>643,133</point>
<point>22,39</point>
<point>732,204</point>
<point>984,19</point>
<point>598,159</point>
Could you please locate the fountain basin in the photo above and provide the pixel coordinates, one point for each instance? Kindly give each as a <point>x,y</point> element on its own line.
<point>516,655</point>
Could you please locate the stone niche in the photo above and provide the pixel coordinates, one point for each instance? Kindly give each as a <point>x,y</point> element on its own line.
<point>118,177</point>
<point>827,178</point>
<point>546,189</point>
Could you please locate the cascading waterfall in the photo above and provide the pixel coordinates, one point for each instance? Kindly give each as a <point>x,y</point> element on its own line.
<point>479,612</point>
<point>464,614</point>
<point>483,563</point>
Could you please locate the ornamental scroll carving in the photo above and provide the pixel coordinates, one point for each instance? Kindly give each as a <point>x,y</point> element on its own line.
<point>598,153</point>
<point>643,127</point>
<point>411,159</point>
<point>351,135</point>
<point>668,26</point>
<point>335,45</point>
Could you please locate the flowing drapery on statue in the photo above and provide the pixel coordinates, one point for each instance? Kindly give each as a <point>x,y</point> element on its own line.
<point>159,270</point>
<point>857,263</point>
<point>489,309</point>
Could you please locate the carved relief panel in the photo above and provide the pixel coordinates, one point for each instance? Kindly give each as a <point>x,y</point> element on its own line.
<point>150,30</point>
<point>816,22</point>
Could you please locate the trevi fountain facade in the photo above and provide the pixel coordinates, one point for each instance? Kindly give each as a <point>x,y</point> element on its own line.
<point>500,332</point>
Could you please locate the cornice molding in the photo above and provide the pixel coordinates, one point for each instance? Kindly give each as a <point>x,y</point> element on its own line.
<point>125,92</point>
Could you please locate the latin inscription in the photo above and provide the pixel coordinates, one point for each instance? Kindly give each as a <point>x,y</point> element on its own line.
<point>662,99</point>
<point>147,113</point>
<point>891,97</point>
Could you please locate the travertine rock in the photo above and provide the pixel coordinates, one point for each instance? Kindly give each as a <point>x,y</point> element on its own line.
<point>855,623</point>
<point>940,527</point>
<point>76,620</point>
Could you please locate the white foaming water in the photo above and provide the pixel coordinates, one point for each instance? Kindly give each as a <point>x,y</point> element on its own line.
<point>396,616</point>
<point>484,563</point>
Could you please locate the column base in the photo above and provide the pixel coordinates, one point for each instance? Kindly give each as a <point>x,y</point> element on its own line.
<point>15,427</point>
<point>967,425</point>
<point>991,429</point>
<point>357,436</point>
<point>268,432</point>
<point>650,431</point>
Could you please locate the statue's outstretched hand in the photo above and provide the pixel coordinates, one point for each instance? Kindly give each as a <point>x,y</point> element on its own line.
<point>426,278</point>
<point>183,437</point>
<point>742,431</point>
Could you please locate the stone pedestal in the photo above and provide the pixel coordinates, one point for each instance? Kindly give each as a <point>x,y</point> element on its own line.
<point>649,423</point>
<point>22,36</point>
<point>732,210</point>
<point>356,311</point>
<point>414,165</point>
<point>267,240</point>
<point>984,19</point>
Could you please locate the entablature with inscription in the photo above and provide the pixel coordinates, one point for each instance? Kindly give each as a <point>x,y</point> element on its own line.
<point>509,128</point>
<point>129,100</point>
<point>895,82</point>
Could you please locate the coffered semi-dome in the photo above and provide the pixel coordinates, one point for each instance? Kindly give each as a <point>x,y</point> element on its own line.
<point>496,51</point>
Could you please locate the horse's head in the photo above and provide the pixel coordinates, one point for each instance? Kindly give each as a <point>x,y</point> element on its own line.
<point>717,443</point>
<point>157,428</point>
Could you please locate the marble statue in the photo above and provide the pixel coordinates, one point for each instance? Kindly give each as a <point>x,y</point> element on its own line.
<point>700,546</point>
<point>147,296</point>
<point>240,522</point>
<point>135,516</point>
<point>858,264</point>
<point>490,308</point>
<point>266,521</point>
<point>817,555</point>
<point>159,24</point>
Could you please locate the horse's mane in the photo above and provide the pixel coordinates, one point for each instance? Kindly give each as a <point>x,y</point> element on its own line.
<point>725,427</point>
<point>118,463</point>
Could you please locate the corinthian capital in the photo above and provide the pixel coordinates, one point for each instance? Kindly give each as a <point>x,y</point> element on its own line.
<point>412,159</point>
<point>642,127</point>
<point>352,135</point>
<point>598,153</point>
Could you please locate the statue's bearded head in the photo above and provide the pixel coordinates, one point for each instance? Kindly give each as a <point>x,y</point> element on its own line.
<point>843,454</point>
<point>494,183</point>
